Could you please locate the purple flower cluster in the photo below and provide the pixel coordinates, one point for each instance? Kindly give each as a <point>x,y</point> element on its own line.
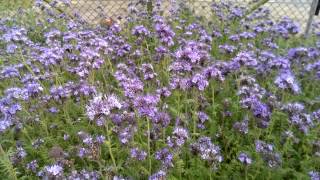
<point>244,158</point>
<point>298,116</point>
<point>252,95</point>
<point>164,32</point>
<point>178,138</point>
<point>287,80</point>
<point>140,31</point>
<point>102,105</point>
<point>267,151</point>
<point>129,85</point>
<point>165,156</point>
<point>207,151</point>
<point>138,154</point>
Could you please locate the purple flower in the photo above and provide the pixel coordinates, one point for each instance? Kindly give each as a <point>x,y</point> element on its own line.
<point>242,126</point>
<point>158,175</point>
<point>84,174</point>
<point>11,48</point>
<point>178,138</point>
<point>146,105</point>
<point>314,175</point>
<point>125,134</point>
<point>102,105</point>
<point>268,153</point>
<point>287,80</point>
<point>32,166</point>
<point>246,59</point>
<point>227,48</point>
<point>200,81</point>
<point>54,170</point>
<point>10,71</point>
<point>140,31</point>
<point>280,63</point>
<point>165,33</point>
<point>165,156</point>
<point>162,119</point>
<point>138,154</point>
<point>298,52</point>
<point>192,52</point>
<point>203,117</point>
<point>244,158</point>
<point>207,151</point>
<point>286,27</point>
<point>148,72</point>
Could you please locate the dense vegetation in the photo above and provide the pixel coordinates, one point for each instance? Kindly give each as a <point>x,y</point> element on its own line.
<point>235,96</point>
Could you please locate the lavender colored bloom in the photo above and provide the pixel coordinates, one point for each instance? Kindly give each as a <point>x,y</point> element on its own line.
<point>37,143</point>
<point>193,52</point>
<point>164,92</point>
<point>286,27</point>
<point>17,93</point>
<point>140,31</point>
<point>128,80</point>
<point>125,135</point>
<point>246,59</point>
<point>280,63</point>
<point>242,126</point>
<point>203,117</point>
<point>207,151</point>
<point>82,152</point>
<point>294,108</point>
<point>102,105</point>
<point>146,105</point>
<point>11,48</point>
<point>158,175</point>
<point>298,52</point>
<point>180,66</point>
<point>83,174</point>
<point>247,35</point>
<point>316,115</point>
<point>261,110</point>
<point>21,153</point>
<point>162,119</point>
<point>165,156</point>
<point>66,137</point>
<point>314,175</point>
<point>32,166</point>
<point>214,72</point>
<point>54,170</point>
<point>10,71</point>
<point>200,81</point>
<point>234,37</point>
<point>227,48</point>
<point>178,138</point>
<point>5,124</point>
<point>148,72</point>
<point>287,80</point>
<point>165,33</point>
<point>33,89</point>
<point>53,110</point>
<point>302,120</point>
<point>100,139</point>
<point>268,153</point>
<point>244,158</point>
<point>138,154</point>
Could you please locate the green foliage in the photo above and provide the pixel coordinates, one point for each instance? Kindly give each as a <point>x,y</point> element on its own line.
<point>297,158</point>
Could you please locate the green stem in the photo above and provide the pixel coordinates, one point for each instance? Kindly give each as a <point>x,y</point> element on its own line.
<point>109,147</point>
<point>149,146</point>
